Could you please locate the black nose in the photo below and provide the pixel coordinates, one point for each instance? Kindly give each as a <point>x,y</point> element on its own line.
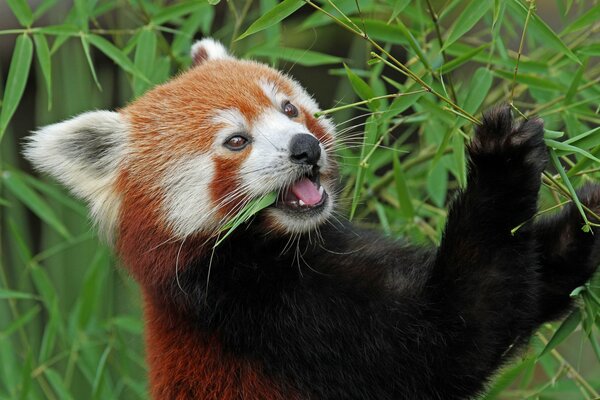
<point>304,149</point>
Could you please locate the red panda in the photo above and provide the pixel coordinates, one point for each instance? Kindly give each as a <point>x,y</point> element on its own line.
<point>342,313</point>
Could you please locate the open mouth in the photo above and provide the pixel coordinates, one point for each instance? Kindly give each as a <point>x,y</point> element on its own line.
<point>305,194</point>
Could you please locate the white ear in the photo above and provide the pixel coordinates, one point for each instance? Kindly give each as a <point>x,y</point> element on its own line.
<point>84,153</point>
<point>208,49</point>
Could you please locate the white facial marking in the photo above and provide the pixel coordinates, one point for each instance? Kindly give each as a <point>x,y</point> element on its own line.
<point>187,203</point>
<point>232,120</point>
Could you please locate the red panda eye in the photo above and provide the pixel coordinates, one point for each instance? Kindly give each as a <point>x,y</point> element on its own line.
<point>290,110</point>
<point>236,142</point>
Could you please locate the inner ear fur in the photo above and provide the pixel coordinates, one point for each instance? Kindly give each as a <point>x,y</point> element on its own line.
<point>84,153</point>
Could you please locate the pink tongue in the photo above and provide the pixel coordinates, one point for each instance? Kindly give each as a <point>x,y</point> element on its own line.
<point>306,191</point>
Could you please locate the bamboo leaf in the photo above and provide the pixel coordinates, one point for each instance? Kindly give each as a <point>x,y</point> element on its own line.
<point>586,140</point>
<point>566,149</point>
<point>116,55</point>
<point>473,12</point>
<point>361,88</point>
<point>34,202</point>
<point>404,198</point>
<point>307,58</point>
<point>250,209</point>
<point>548,134</point>
<point>369,140</point>
<point>477,91</point>
<point>175,11</point>
<point>145,54</point>
<point>43,56</point>
<point>59,30</point>
<point>12,294</point>
<point>57,383</point>
<point>590,17</point>
<point>463,58</point>
<point>273,16</point>
<point>414,44</point>
<point>507,377</point>
<point>544,33</point>
<point>563,175</point>
<point>18,73</point>
<point>44,6</point>
<point>563,331</point>
<point>22,11</point>
<point>86,49</point>
<point>20,322</point>
<point>397,7</point>
<point>381,31</point>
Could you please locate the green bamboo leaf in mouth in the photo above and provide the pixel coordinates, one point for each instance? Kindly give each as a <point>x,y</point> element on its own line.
<point>250,209</point>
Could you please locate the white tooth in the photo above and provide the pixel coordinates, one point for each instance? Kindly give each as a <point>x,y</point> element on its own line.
<point>321,190</point>
<point>301,203</point>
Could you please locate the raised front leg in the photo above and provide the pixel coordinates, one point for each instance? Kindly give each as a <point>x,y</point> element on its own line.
<point>486,277</point>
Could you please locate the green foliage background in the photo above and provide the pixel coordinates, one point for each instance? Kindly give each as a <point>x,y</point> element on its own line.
<point>413,75</point>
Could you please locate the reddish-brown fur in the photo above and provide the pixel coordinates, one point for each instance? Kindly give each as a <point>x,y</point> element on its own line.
<point>187,364</point>
<point>168,123</point>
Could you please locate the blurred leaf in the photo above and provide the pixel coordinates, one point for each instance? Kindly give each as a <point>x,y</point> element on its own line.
<point>573,87</point>
<point>100,372</point>
<point>590,17</point>
<point>546,34</point>
<point>129,324</point>
<point>86,49</point>
<point>404,198</point>
<point>175,11</point>
<point>369,139</point>
<point>18,73</point>
<point>414,44</point>
<point>397,7</point>
<point>507,377</point>
<point>52,191</point>
<point>34,202</point>
<point>460,60</point>
<point>589,50</point>
<point>273,16</point>
<point>563,331</point>
<point>66,29</point>
<point>533,81</point>
<point>381,31</point>
<point>19,322</point>
<point>57,383</point>
<point>548,134</point>
<point>43,56</point>
<point>11,294</point>
<point>437,184</point>
<point>564,149</point>
<point>477,90</point>
<point>586,140</point>
<point>145,54</point>
<point>467,19</point>
<point>561,171</point>
<point>297,56</point>
<point>361,88</point>
<point>116,55</point>
<point>22,11</point>
<point>44,6</point>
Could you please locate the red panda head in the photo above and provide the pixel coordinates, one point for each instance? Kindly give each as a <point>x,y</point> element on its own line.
<point>180,160</point>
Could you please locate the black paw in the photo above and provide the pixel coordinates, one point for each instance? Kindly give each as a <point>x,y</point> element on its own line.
<point>508,144</point>
<point>589,195</point>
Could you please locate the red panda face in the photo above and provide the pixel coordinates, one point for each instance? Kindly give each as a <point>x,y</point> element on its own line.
<point>192,152</point>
